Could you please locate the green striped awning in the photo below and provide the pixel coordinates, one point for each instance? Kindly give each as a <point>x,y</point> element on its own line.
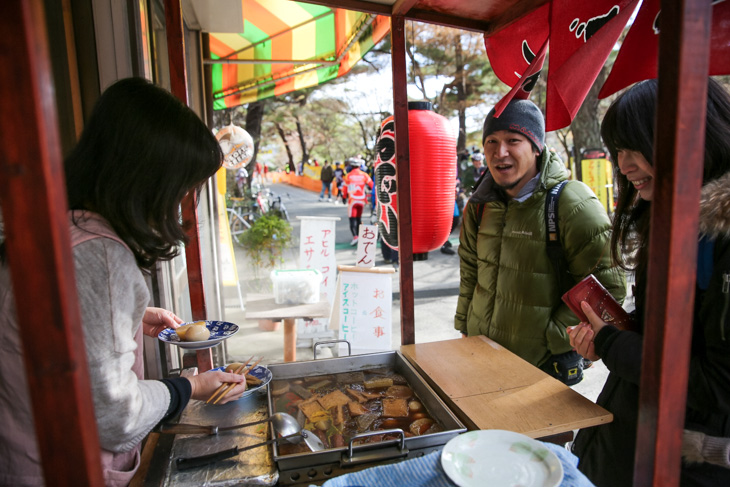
<point>286,46</point>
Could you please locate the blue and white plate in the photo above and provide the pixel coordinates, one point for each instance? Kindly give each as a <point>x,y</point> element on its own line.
<point>219,331</point>
<point>260,372</point>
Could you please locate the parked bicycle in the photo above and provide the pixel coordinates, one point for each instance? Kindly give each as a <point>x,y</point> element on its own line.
<point>244,211</point>
<point>277,206</point>
<point>269,201</point>
<point>241,216</point>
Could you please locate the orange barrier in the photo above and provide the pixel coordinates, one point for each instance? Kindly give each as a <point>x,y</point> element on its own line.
<point>303,182</point>
<point>276,177</point>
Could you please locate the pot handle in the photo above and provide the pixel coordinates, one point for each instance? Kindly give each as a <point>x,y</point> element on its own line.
<point>378,454</point>
<point>186,463</point>
<point>314,347</point>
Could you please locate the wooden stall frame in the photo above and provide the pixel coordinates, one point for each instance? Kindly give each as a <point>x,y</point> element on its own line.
<point>178,82</point>
<point>679,151</point>
<point>32,185</point>
<point>402,175</point>
<point>32,189</point>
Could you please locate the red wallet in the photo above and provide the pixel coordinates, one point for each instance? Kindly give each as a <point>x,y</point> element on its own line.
<point>605,306</point>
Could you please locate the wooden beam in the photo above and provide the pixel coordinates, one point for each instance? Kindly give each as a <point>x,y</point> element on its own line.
<point>515,12</point>
<point>446,20</point>
<point>193,258</point>
<point>402,177</point>
<point>38,245</point>
<point>73,68</point>
<point>678,159</point>
<point>176,49</point>
<point>207,80</point>
<point>411,11</point>
<point>401,7</point>
<point>358,5</point>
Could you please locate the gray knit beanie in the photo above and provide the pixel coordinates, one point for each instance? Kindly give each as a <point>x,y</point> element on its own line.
<point>521,116</point>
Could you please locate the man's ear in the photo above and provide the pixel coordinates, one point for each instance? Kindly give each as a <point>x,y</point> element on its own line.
<point>538,158</point>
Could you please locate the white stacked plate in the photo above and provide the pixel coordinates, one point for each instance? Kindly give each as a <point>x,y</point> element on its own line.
<point>497,457</point>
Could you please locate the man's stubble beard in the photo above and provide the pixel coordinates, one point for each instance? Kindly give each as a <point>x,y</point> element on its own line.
<point>507,187</point>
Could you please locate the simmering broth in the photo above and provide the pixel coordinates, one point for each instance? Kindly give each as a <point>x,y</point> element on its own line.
<point>337,407</point>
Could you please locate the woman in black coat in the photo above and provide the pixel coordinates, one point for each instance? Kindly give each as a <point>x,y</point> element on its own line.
<point>607,452</point>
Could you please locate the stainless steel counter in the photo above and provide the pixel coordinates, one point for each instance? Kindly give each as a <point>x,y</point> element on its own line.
<point>251,467</point>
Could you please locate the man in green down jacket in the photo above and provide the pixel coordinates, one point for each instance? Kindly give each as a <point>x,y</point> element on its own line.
<point>509,288</point>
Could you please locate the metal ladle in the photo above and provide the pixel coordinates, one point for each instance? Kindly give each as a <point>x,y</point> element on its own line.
<point>284,423</point>
<point>289,427</point>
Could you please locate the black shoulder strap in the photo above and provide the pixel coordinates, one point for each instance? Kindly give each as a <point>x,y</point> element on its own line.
<point>480,212</point>
<point>554,248</point>
<point>480,208</point>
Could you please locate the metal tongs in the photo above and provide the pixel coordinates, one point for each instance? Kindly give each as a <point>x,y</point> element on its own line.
<point>312,441</point>
<point>282,422</point>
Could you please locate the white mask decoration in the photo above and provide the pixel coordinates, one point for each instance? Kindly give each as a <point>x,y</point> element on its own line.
<point>237,146</point>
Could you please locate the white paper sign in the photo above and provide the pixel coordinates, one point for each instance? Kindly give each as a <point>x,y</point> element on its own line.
<point>367,245</point>
<point>317,251</point>
<point>365,310</point>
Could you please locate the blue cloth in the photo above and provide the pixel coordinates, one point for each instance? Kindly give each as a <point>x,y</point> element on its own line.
<point>426,471</point>
<point>705,262</point>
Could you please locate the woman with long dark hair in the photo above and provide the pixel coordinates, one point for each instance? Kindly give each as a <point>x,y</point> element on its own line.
<point>141,152</point>
<point>607,452</point>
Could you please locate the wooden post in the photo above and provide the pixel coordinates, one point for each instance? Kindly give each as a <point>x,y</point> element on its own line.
<point>178,82</point>
<point>38,246</point>
<point>290,339</point>
<point>207,79</point>
<point>403,171</point>
<point>678,158</point>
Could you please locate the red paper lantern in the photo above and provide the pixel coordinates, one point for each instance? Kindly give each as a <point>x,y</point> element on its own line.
<point>432,145</point>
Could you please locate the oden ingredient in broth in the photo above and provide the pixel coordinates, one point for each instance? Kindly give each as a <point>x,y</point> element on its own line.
<point>337,407</point>
<point>193,332</point>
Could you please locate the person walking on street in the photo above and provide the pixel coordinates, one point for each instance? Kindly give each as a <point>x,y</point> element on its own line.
<point>471,174</point>
<point>326,177</point>
<point>510,289</point>
<point>339,182</point>
<point>355,184</point>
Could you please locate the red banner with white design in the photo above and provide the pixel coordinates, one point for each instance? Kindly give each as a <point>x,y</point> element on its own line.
<point>512,50</point>
<point>637,59</point>
<point>582,35</point>
<point>523,88</point>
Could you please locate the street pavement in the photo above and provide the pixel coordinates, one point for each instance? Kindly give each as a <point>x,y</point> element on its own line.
<point>435,283</point>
